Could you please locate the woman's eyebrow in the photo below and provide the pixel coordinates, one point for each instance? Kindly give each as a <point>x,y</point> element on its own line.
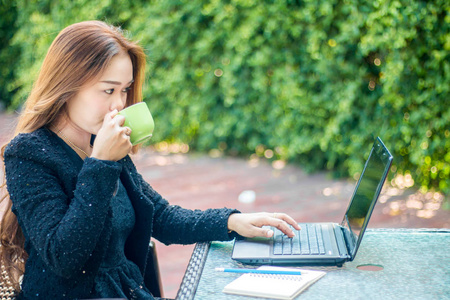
<point>115,82</point>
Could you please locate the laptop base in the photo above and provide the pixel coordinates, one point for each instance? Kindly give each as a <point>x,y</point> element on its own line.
<point>258,251</point>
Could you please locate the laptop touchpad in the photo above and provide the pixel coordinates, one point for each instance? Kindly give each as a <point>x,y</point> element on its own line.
<point>252,248</point>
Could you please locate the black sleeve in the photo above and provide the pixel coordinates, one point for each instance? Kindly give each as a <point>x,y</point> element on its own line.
<point>63,231</point>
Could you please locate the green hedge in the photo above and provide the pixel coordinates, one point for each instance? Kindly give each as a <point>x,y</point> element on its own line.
<point>8,53</point>
<point>313,81</point>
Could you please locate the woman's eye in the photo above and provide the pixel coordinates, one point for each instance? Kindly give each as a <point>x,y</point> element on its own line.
<point>126,90</point>
<point>110,91</point>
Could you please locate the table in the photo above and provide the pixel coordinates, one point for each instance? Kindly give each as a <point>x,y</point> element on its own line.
<point>416,265</point>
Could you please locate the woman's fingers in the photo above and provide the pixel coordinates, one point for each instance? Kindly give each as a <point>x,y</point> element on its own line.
<point>109,116</point>
<point>280,221</point>
<point>288,219</point>
<point>262,232</point>
<point>257,224</point>
<point>126,131</point>
<point>113,139</point>
<point>119,120</point>
<point>280,224</point>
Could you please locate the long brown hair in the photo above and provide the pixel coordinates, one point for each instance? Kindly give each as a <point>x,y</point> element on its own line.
<point>78,54</point>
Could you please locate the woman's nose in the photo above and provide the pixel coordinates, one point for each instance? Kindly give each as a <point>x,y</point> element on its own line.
<point>118,103</point>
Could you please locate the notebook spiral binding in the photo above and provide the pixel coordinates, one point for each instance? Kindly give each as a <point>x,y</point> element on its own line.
<point>277,276</point>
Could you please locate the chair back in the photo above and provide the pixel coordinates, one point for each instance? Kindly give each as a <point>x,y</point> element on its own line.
<point>152,276</point>
<point>6,292</point>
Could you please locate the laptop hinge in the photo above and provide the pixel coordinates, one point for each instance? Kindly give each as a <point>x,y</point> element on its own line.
<point>349,244</point>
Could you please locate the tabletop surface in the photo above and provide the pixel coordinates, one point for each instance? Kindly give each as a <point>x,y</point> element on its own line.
<point>416,265</point>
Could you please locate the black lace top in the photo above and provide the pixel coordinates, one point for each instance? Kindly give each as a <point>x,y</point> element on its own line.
<point>118,276</point>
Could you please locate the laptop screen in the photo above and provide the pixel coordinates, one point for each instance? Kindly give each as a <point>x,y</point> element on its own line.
<point>366,194</point>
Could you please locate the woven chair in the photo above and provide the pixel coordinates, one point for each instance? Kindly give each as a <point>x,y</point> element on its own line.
<point>6,293</point>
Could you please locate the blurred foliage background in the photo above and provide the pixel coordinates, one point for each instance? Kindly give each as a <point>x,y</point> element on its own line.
<point>307,82</point>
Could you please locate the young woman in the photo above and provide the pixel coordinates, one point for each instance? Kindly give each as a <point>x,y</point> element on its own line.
<point>80,217</point>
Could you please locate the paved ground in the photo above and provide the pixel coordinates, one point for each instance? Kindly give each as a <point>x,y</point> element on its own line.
<point>207,181</point>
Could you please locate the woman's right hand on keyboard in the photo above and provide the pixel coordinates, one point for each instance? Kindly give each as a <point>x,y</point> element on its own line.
<point>251,224</point>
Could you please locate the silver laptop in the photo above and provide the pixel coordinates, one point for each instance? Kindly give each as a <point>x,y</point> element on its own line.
<point>324,243</point>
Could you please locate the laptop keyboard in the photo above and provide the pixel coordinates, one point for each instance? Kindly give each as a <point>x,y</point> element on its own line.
<point>307,241</point>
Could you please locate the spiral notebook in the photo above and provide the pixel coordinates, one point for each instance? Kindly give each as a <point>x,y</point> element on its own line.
<point>273,286</point>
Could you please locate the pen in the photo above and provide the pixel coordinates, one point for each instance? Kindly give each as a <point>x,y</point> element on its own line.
<point>258,271</point>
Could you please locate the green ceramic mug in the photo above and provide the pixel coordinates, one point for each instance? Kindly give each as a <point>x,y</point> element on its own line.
<point>139,119</point>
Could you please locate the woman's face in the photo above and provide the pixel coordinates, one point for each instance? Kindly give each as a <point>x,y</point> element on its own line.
<point>102,95</point>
